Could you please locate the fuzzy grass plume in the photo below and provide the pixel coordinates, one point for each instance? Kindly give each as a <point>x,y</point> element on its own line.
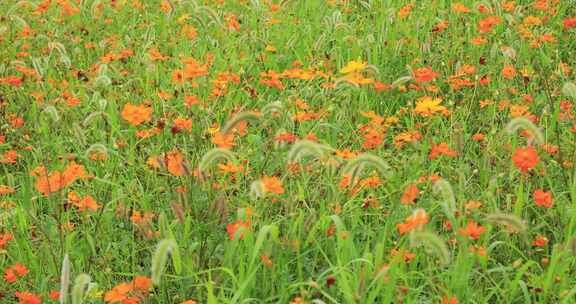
<point>213,155</point>
<point>510,221</point>
<point>524,123</point>
<point>444,188</point>
<point>433,243</point>
<point>354,167</point>
<point>82,285</point>
<point>166,247</point>
<point>238,118</point>
<point>64,279</point>
<point>303,148</point>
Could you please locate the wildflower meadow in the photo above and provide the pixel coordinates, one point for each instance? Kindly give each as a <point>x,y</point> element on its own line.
<point>287,151</point>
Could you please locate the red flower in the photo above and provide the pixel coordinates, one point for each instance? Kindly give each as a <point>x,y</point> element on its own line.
<point>472,230</point>
<point>54,295</point>
<point>525,158</point>
<point>569,23</point>
<point>543,198</point>
<point>14,272</point>
<point>540,241</point>
<point>26,297</point>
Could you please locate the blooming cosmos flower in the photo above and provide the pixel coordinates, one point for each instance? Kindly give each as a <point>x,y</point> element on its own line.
<point>472,230</point>
<point>353,66</point>
<point>525,158</point>
<point>509,72</point>
<point>441,149</point>
<point>410,194</point>
<point>25,297</point>
<point>428,106</point>
<point>53,182</point>
<point>425,74</point>
<point>272,184</point>
<point>136,114</point>
<point>418,219</point>
<point>543,198</point>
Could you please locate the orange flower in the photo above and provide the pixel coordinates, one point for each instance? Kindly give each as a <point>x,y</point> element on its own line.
<point>543,198</point>
<point>410,194</point>
<point>175,163</point>
<point>118,294</point>
<point>136,114</point>
<point>6,190</point>
<point>233,228</point>
<point>87,202</point>
<point>285,137</point>
<point>182,124</point>
<point>485,25</point>
<point>4,239</point>
<point>14,272</point>
<point>72,172</point>
<point>418,219</point>
<point>230,167</point>
<point>406,137</point>
<point>26,297</point>
<point>425,74</point>
<point>345,181</point>
<point>189,302</point>
<point>233,24</point>
<point>345,154</point>
<point>9,157</point>
<point>54,295</point>
<point>266,261</point>
<point>509,72</point>
<point>142,284</point>
<point>472,230</point>
<point>272,184</point>
<point>449,300</point>
<point>441,149</point>
<point>57,180</point>
<point>225,141</point>
<point>373,138</point>
<point>478,137</point>
<point>191,100</point>
<point>129,293</point>
<point>460,8</point>
<point>525,158</point>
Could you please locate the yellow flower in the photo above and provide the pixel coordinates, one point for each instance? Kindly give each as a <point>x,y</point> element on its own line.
<point>353,66</point>
<point>428,106</point>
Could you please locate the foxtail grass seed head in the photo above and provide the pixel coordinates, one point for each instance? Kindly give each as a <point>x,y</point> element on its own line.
<point>252,117</point>
<point>355,166</point>
<point>303,148</point>
<point>165,248</point>
<point>510,221</point>
<point>445,190</point>
<point>526,124</point>
<point>81,286</point>
<point>216,154</point>
<point>64,279</point>
<point>433,243</point>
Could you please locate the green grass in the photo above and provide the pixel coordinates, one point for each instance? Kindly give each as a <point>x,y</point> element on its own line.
<point>316,240</point>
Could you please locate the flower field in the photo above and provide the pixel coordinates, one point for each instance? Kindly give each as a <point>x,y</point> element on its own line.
<point>295,151</point>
